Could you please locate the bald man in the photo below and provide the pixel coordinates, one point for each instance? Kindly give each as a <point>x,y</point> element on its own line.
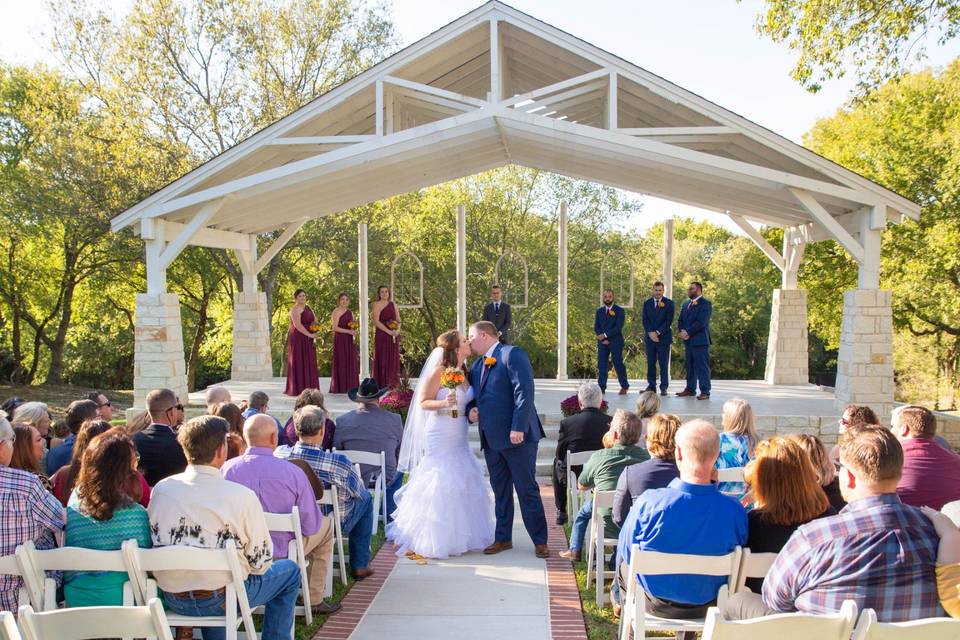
<point>690,515</point>
<point>280,486</point>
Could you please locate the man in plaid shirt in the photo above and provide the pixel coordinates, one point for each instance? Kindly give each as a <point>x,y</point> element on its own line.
<point>878,552</point>
<point>334,469</point>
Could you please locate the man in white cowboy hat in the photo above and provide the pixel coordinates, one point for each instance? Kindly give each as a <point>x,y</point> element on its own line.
<point>370,428</point>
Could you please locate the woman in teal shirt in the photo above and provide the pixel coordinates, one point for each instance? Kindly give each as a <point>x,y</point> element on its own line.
<point>100,515</point>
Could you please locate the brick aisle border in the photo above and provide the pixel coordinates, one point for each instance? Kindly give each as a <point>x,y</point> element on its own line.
<point>566,612</point>
<point>340,625</point>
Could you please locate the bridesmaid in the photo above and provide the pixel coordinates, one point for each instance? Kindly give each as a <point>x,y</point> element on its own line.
<point>301,349</point>
<point>345,374</point>
<point>386,344</point>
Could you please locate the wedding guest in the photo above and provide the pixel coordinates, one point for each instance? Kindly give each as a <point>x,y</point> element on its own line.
<point>386,341</point>
<point>259,402</point>
<point>10,406</point>
<point>657,472</point>
<point>138,424</point>
<point>601,472</point>
<point>301,346</point>
<point>27,453</point>
<point>355,502</point>
<point>345,367</point>
<point>66,476</point>
<point>895,419</point>
<point>948,561</point>
<point>853,416</point>
<point>826,471</point>
<point>931,474</point>
<point>200,500</point>
<point>234,417</point>
<point>160,453</point>
<point>280,487</point>
<point>608,326</point>
<point>102,515</point>
<point>737,441</point>
<point>648,404</point>
<point>104,406</point>
<point>30,512</point>
<point>499,313</point>
<point>37,415</point>
<point>78,412</point>
<point>691,516</point>
<point>309,397</point>
<point>582,431</point>
<point>216,395</point>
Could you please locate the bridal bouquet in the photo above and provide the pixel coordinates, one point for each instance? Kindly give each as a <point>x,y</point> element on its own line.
<point>451,378</point>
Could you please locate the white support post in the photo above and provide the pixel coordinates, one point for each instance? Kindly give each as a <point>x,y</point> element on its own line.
<point>612,117</point>
<point>794,245</point>
<point>156,271</point>
<point>363,296</point>
<point>872,222</point>
<point>462,268</point>
<point>562,293</point>
<point>496,88</point>
<point>378,107</point>
<point>668,257</point>
<point>247,259</point>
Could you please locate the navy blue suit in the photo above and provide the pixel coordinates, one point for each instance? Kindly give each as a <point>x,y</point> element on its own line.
<point>695,319</point>
<point>612,327</point>
<point>659,318</point>
<point>503,394</point>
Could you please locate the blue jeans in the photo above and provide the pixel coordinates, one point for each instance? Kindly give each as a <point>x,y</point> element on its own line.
<point>392,489</point>
<point>578,532</point>
<point>277,589</point>
<point>357,528</point>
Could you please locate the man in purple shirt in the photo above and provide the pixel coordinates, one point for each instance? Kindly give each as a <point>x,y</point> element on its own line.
<point>280,486</point>
<point>931,473</point>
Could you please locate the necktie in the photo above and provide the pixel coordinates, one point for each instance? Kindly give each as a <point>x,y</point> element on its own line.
<point>483,375</point>
<point>496,308</point>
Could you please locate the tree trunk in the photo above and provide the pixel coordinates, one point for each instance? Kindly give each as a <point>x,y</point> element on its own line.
<point>198,337</point>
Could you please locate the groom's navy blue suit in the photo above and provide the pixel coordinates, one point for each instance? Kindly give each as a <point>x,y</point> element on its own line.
<point>503,394</point>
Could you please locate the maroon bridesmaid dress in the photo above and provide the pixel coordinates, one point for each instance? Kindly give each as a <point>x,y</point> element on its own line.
<point>301,357</point>
<point>386,352</point>
<point>345,374</point>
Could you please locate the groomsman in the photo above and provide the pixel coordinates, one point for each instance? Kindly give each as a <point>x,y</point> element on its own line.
<point>657,325</point>
<point>694,330</point>
<point>608,325</point>
<point>498,312</point>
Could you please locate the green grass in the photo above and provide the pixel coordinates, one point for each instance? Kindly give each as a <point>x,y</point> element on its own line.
<point>601,625</point>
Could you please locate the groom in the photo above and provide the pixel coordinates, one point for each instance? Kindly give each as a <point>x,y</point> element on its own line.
<point>510,428</point>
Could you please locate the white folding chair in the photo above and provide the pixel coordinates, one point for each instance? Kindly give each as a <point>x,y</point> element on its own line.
<point>634,618</point>
<point>330,499</point>
<point>753,565</point>
<point>290,523</point>
<point>379,485</point>
<point>10,566</point>
<point>730,474</point>
<point>577,459</point>
<point>8,627</point>
<point>868,628</point>
<point>783,626</point>
<point>184,560</point>
<point>87,623</point>
<point>597,545</point>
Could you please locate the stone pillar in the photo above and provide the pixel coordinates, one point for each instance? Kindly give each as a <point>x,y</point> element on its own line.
<point>787,359</point>
<point>251,338</point>
<point>865,361</point>
<point>158,347</point>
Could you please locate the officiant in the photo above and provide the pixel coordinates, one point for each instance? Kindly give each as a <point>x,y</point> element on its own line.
<point>498,312</point>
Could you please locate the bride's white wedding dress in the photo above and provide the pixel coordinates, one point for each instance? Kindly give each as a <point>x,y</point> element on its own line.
<point>445,508</point>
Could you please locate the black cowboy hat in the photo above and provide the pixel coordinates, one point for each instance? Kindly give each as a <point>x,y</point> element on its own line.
<point>368,390</point>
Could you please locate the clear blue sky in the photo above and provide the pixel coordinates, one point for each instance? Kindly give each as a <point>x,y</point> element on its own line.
<point>709,47</point>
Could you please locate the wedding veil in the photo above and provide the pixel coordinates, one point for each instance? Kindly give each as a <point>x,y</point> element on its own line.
<point>414,440</point>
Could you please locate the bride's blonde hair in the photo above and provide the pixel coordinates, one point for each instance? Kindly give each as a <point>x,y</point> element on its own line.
<point>449,341</point>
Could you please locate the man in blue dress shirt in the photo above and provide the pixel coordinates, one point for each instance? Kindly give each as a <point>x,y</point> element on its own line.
<point>608,326</point>
<point>658,335</point>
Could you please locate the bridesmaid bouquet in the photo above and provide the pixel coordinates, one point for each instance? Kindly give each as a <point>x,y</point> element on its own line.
<point>393,325</point>
<point>353,325</point>
<point>451,378</point>
<point>313,328</point>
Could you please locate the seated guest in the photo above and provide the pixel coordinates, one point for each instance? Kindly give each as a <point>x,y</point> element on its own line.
<point>370,428</point>
<point>213,510</point>
<point>259,402</point>
<point>737,441</point>
<point>786,494</point>
<point>931,474</point>
<point>334,469</point>
<point>657,472</point>
<point>878,552</point>
<point>138,424</point>
<point>78,412</point>
<point>10,406</point>
<point>894,420</point>
<point>280,486</point>
<point>104,406</point>
<point>309,397</point>
<point>853,417</point>
<point>688,516</point>
<point>826,471</point>
<point>30,512</point>
<point>66,476</point>
<point>27,452</point>
<point>37,415</point>
<point>601,472</point>
<point>648,404</point>
<point>948,561</point>
<point>160,452</point>
<point>580,432</point>
<point>101,515</point>
<point>215,396</point>
<point>234,417</point>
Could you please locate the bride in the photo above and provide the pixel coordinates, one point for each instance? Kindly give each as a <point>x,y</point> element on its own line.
<point>445,509</point>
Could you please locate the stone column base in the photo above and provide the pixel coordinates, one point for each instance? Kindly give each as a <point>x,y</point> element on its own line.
<point>865,361</point>
<point>158,360</point>
<point>251,338</point>
<point>787,358</point>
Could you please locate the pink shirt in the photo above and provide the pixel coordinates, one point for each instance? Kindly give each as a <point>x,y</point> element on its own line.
<point>931,474</point>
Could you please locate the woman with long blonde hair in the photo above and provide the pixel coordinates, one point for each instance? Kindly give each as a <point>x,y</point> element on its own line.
<point>737,442</point>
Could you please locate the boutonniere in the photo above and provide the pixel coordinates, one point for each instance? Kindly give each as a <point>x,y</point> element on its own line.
<point>611,313</point>
<point>661,305</point>
<point>693,303</point>
<point>489,361</point>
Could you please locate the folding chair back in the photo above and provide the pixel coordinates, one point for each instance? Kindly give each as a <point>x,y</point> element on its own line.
<point>597,545</point>
<point>730,474</point>
<point>86,623</point>
<point>783,626</point>
<point>8,627</point>
<point>753,565</point>
<point>74,559</point>
<point>290,523</point>
<point>379,485</point>
<point>868,628</point>
<point>11,566</point>
<point>330,499</point>
<point>577,459</point>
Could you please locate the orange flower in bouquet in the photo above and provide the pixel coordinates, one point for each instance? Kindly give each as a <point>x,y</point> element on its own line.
<point>451,378</point>
<point>313,328</point>
<point>393,325</point>
<point>353,325</point>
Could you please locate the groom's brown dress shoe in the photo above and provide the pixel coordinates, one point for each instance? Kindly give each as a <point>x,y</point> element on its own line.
<point>497,547</point>
<point>541,551</point>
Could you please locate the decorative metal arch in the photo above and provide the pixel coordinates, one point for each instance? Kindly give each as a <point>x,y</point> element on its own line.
<point>393,270</point>
<point>603,267</point>
<point>526,277</point>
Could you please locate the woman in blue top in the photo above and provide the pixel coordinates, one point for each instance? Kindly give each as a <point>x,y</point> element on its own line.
<point>100,515</point>
<point>737,442</point>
